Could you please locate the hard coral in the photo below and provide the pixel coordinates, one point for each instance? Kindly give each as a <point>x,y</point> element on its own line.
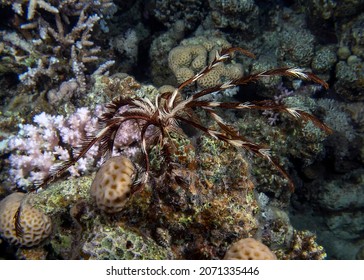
<point>168,12</point>
<point>303,247</point>
<point>193,54</point>
<point>37,147</point>
<point>112,184</point>
<point>241,15</point>
<point>249,249</point>
<point>34,225</point>
<point>43,53</point>
<point>121,243</point>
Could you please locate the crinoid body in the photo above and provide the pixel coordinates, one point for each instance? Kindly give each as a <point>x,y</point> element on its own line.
<point>160,118</point>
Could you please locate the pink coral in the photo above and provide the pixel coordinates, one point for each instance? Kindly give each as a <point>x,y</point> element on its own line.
<point>52,139</point>
<point>37,147</point>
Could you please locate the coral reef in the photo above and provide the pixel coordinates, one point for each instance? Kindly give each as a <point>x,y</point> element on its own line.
<point>49,51</point>
<point>192,189</point>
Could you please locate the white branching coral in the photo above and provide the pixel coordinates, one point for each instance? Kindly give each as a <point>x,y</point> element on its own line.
<point>33,4</point>
<point>54,50</point>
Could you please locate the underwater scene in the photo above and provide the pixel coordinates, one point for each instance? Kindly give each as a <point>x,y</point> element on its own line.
<point>174,130</point>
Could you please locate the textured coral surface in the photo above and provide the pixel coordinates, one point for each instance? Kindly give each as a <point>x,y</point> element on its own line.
<point>62,61</point>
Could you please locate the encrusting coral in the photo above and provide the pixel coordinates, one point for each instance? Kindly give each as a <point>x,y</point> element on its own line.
<point>303,247</point>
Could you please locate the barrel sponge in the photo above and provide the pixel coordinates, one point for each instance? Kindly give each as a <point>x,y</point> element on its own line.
<point>34,224</point>
<point>249,249</point>
<point>112,184</point>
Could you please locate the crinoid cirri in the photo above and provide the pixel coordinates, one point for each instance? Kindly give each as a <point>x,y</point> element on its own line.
<point>160,117</point>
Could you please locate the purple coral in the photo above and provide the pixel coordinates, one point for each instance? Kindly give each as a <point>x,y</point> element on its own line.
<point>37,148</point>
<point>278,99</point>
<point>52,139</point>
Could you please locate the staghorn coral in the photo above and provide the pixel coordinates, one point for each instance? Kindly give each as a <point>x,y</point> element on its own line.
<point>44,53</point>
<point>31,7</point>
<point>69,7</point>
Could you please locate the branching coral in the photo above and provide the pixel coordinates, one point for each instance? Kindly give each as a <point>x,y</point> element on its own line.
<point>36,148</point>
<point>47,51</point>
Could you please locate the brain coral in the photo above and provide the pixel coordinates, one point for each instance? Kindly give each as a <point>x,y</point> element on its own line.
<point>193,54</point>
<point>35,225</point>
<point>249,249</point>
<point>112,184</point>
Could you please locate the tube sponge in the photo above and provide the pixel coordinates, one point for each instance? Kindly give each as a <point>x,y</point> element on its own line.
<point>112,184</point>
<point>249,249</point>
<point>35,225</point>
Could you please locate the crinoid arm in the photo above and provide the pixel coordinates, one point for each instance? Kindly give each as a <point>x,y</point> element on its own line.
<point>228,134</point>
<point>225,54</point>
<point>104,136</point>
<point>232,138</point>
<point>292,72</point>
<point>110,122</point>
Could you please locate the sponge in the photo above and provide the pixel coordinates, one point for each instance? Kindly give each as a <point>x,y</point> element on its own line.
<point>249,249</point>
<point>112,184</point>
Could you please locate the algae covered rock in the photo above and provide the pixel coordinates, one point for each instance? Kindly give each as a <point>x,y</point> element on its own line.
<point>115,243</point>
